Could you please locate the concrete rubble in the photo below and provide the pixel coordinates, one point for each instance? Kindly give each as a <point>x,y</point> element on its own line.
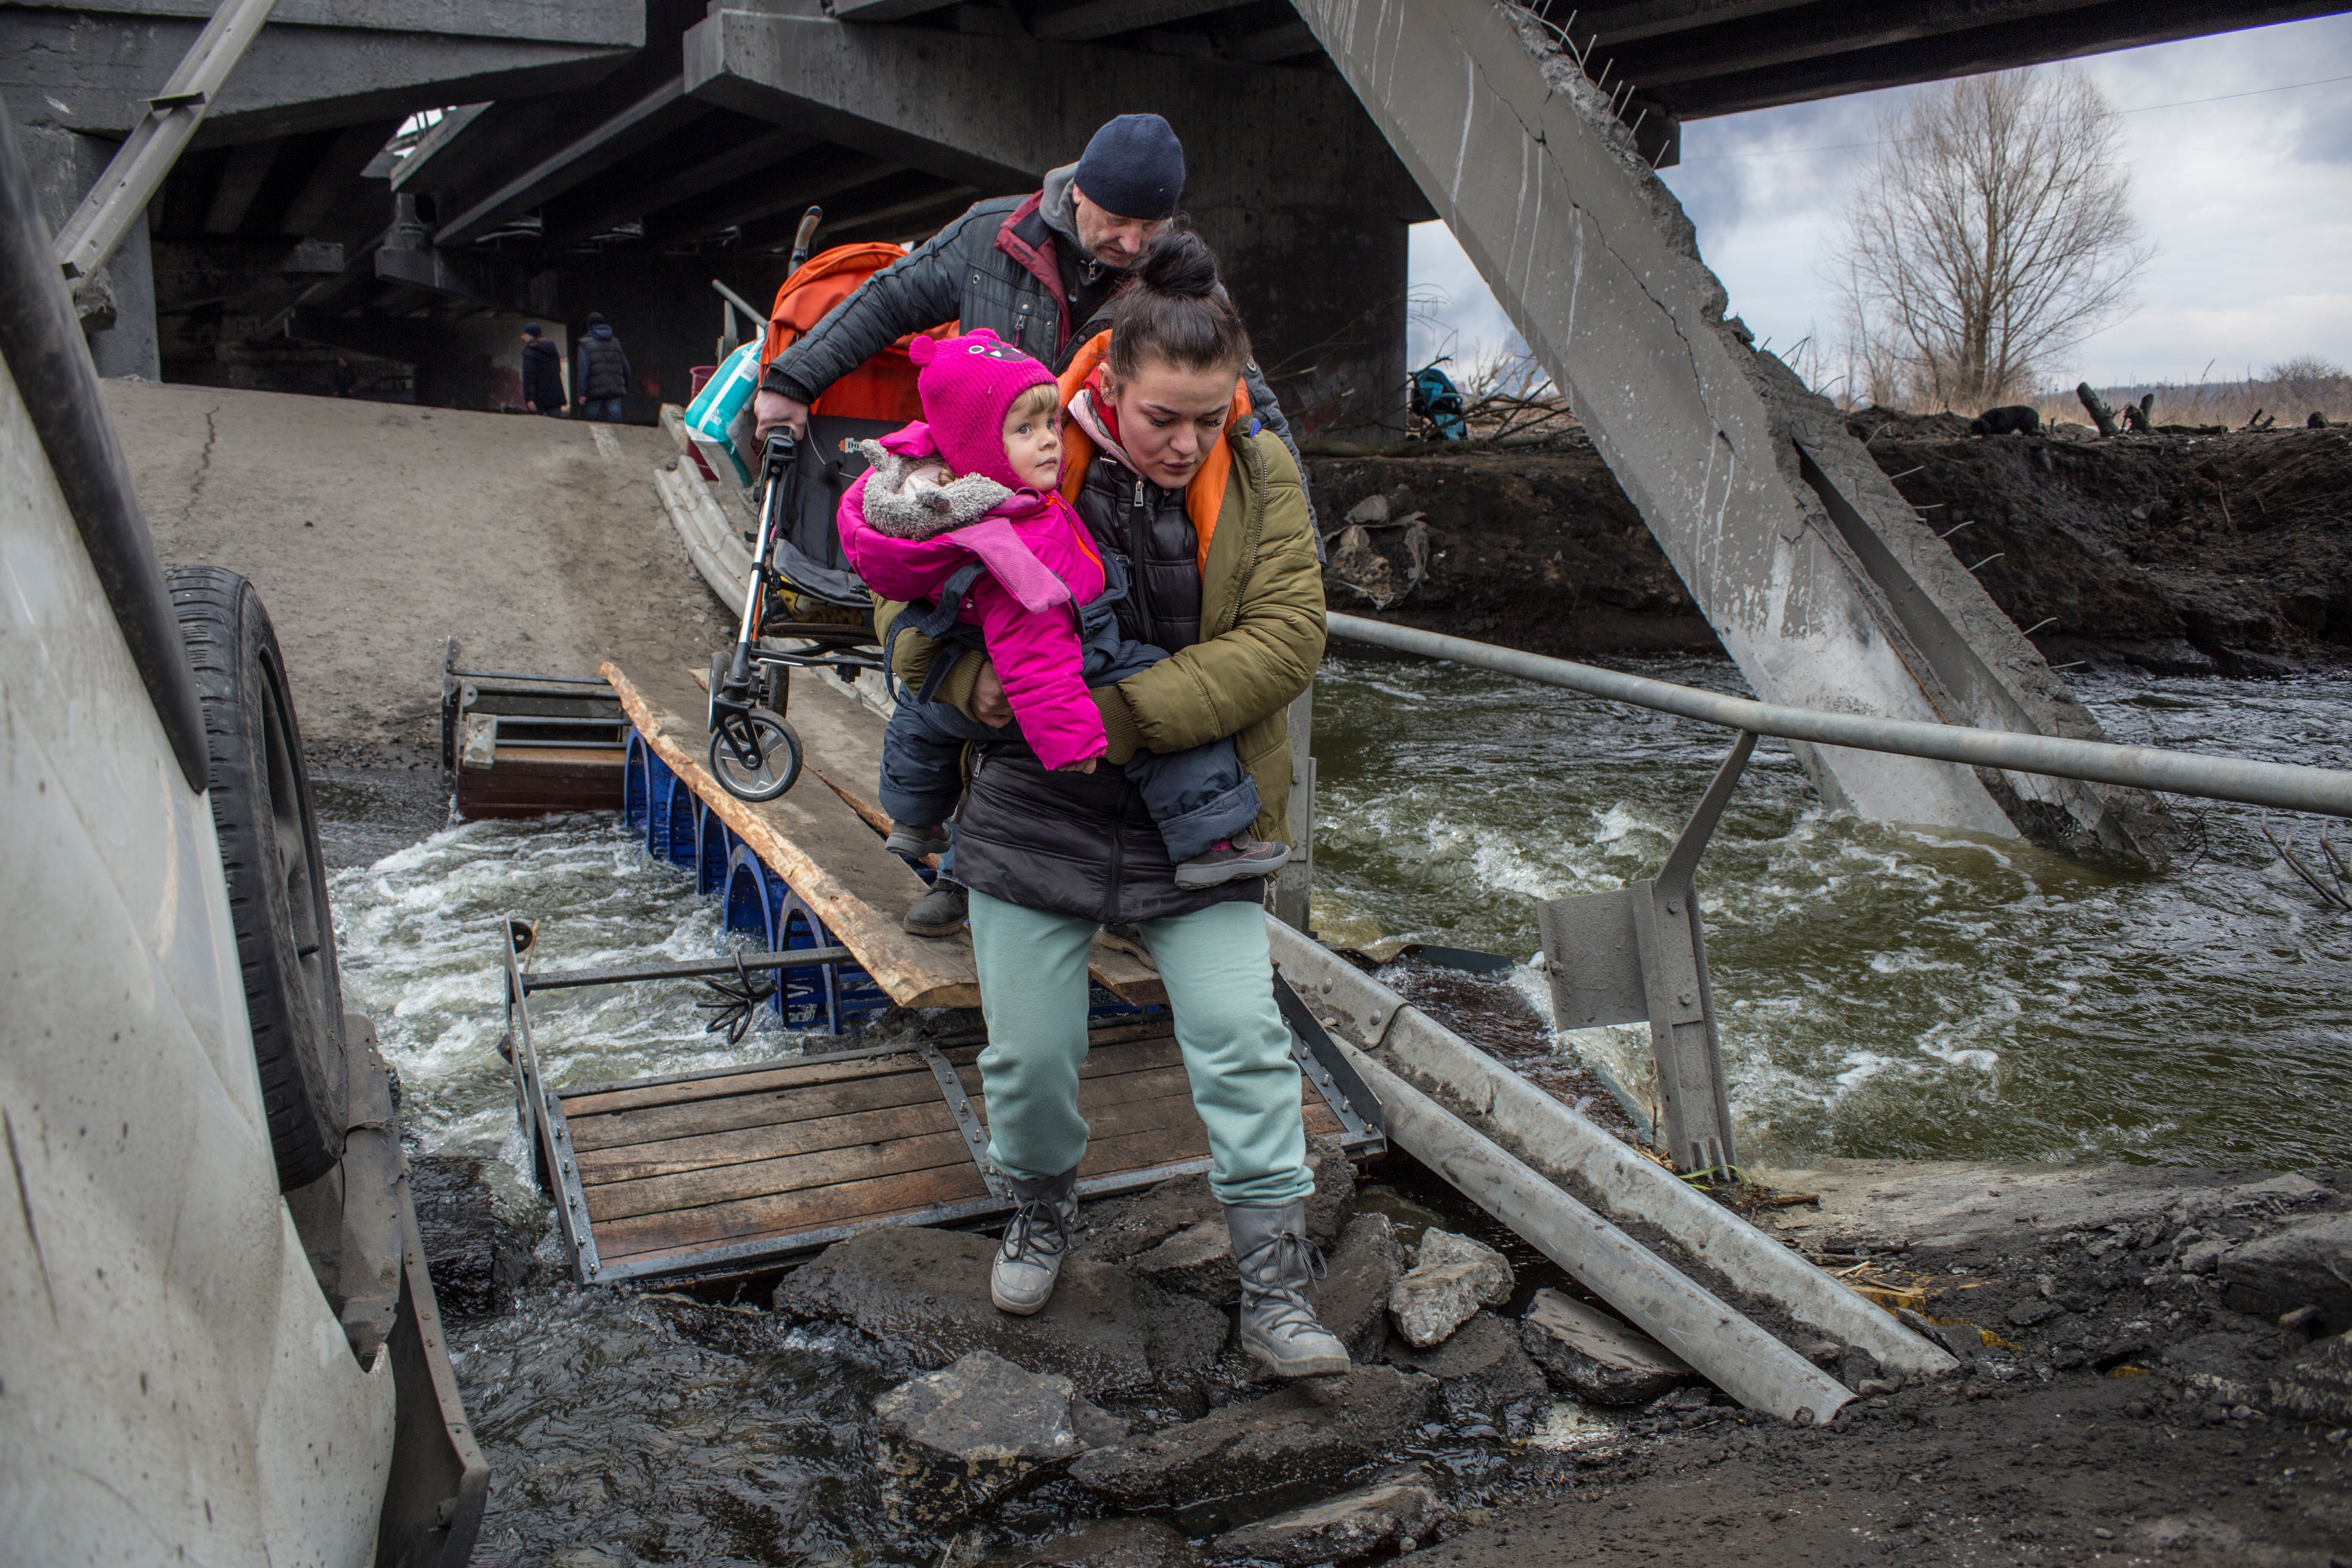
<point>926,1291</point>
<point>1104,1543</point>
<point>1452,1278</point>
<point>1233,1463</point>
<point>955,1440</point>
<point>1593,1356</point>
<point>1402,1510</point>
<point>1482,1371</point>
<point>1352,1300</point>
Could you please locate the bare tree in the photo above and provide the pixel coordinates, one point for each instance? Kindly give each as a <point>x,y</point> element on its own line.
<point>1993,234</point>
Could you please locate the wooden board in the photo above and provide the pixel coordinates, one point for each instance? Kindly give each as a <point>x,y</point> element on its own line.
<point>824,851</point>
<point>781,1149</point>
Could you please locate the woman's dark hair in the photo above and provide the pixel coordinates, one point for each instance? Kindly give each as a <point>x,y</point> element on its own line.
<point>1172,310</point>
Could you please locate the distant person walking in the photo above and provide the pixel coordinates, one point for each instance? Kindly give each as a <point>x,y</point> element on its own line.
<point>603,377</point>
<point>542,372</point>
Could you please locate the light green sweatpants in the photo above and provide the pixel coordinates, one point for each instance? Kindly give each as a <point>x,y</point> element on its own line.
<point>1220,977</point>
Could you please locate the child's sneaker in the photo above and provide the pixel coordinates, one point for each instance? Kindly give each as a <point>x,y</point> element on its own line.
<point>1231,858</point>
<point>915,843</point>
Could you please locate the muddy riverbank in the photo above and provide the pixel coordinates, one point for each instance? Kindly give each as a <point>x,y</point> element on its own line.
<point>2173,553</point>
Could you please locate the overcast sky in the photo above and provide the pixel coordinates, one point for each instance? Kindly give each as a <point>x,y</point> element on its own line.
<point>2248,201</point>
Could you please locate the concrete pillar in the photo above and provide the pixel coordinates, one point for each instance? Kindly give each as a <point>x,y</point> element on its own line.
<point>1289,181</point>
<point>1816,575</point>
<point>117,302</point>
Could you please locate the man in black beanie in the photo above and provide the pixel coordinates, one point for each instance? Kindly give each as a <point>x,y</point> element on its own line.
<point>1035,271</point>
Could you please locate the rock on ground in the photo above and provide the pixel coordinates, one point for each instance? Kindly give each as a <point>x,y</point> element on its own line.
<point>2316,1385</point>
<point>1245,1460</point>
<point>1403,1510</point>
<point>1123,1227</point>
<point>958,1439</point>
<point>1104,1543</point>
<point>1453,1277</point>
<point>927,1290</point>
<point>1353,1300</point>
<point>1196,1261</point>
<point>1481,1371</point>
<point>476,1258</point>
<point>2305,1264</point>
<point>1592,1355</point>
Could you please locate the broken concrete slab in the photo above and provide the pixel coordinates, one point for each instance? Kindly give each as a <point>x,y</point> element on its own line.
<point>1196,1261</point>
<point>958,1439</point>
<point>1124,1227</point>
<point>1595,1357</point>
<point>2305,1263</point>
<point>1453,1276</point>
<point>1103,1543</point>
<point>1481,1371</point>
<point>1880,1206</point>
<point>2316,1385</point>
<point>927,1292</point>
<point>1353,1298</point>
<point>1401,1510</point>
<point>1248,1460</point>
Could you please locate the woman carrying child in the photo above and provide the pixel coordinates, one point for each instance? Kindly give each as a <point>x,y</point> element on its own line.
<point>1204,523</point>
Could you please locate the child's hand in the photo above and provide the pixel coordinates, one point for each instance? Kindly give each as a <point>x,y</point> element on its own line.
<point>1086,767</point>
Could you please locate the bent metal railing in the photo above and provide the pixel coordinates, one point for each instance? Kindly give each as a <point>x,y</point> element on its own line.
<point>1639,954</point>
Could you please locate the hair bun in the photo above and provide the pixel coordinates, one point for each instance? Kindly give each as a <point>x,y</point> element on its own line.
<point>1177,262</point>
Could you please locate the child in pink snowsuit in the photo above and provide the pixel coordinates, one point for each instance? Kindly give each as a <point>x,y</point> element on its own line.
<point>963,511</point>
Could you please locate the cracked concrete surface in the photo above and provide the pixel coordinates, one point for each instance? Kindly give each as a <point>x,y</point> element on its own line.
<point>375,531</point>
<point>1817,576</point>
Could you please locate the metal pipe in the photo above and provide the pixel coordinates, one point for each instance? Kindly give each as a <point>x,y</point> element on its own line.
<point>1560,1144</point>
<point>800,958</point>
<point>1732,1352</point>
<point>2289,786</point>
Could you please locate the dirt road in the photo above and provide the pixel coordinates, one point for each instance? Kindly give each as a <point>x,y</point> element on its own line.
<point>377,531</point>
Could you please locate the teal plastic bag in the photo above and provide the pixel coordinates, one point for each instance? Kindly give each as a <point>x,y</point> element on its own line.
<point>718,421</point>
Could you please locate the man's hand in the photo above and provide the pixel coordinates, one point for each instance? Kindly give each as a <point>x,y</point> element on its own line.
<point>769,409</point>
<point>988,702</point>
<point>1086,767</point>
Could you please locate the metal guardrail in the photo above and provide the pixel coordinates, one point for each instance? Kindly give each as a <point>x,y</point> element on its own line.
<point>2287,786</point>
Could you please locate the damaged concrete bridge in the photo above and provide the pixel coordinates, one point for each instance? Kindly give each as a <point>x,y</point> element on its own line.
<point>620,155</point>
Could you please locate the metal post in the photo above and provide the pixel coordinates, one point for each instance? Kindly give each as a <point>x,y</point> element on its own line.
<point>1291,896</point>
<point>1640,952</point>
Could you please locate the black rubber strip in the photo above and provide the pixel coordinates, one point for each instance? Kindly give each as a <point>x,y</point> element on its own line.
<point>41,338</point>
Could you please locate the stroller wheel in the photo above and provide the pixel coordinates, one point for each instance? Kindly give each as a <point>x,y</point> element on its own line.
<point>762,735</point>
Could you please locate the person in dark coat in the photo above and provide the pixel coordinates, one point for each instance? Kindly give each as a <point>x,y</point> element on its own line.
<point>1037,271</point>
<point>603,377</point>
<point>542,372</point>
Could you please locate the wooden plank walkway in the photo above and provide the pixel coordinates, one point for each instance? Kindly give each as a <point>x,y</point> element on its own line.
<point>738,1169</point>
<point>748,1166</point>
<point>826,843</point>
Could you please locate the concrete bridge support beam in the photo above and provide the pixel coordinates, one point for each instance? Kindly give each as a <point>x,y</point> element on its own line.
<point>318,64</point>
<point>1289,182</point>
<point>1819,580</point>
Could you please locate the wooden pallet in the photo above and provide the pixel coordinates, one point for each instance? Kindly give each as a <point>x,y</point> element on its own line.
<point>738,1169</point>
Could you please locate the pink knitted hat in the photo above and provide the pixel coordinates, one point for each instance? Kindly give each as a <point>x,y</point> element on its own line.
<point>967,384</point>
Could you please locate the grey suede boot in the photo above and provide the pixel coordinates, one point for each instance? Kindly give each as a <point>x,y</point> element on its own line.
<point>1278,1266</point>
<point>1042,1230</point>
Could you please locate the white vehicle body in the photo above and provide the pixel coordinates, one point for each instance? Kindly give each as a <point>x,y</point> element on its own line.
<point>176,1381</point>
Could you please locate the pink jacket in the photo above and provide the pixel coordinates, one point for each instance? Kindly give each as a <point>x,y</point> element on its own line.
<point>906,537</point>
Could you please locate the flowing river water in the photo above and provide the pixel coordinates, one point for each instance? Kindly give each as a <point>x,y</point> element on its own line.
<point>1884,992</point>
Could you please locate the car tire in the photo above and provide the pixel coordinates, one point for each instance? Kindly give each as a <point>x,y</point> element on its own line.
<point>259,792</point>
